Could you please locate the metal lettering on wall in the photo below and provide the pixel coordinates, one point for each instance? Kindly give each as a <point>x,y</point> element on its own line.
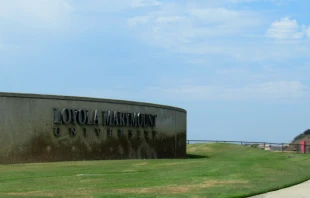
<point>109,119</point>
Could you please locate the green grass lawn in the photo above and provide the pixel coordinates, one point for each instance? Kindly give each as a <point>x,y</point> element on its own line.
<point>212,170</point>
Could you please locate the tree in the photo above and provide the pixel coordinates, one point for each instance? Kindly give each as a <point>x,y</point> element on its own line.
<point>307,132</point>
<point>302,135</point>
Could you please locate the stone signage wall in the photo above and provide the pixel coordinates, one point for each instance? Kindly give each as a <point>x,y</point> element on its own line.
<point>45,128</point>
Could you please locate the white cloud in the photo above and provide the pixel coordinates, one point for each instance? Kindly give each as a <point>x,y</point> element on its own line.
<point>213,28</point>
<point>279,90</point>
<point>32,17</point>
<point>142,3</point>
<point>198,61</point>
<point>194,29</point>
<point>215,14</point>
<point>168,19</point>
<point>200,21</point>
<point>307,31</point>
<point>115,6</point>
<point>36,13</point>
<point>286,28</point>
<point>137,20</point>
<point>222,31</point>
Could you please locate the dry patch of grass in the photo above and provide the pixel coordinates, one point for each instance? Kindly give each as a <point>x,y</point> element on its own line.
<point>128,171</point>
<point>91,180</point>
<point>31,193</point>
<point>171,164</point>
<point>79,192</point>
<point>179,189</point>
<point>167,190</point>
<point>141,164</point>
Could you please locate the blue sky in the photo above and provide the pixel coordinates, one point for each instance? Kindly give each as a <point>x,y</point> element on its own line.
<point>239,67</point>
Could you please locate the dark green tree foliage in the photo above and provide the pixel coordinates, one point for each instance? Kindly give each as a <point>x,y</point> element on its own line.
<point>302,135</point>
<point>298,137</point>
<point>307,132</point>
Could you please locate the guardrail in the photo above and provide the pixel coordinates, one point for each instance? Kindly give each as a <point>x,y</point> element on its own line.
<point>282,147</point>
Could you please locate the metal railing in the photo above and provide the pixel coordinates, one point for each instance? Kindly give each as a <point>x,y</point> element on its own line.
<point>280,147</point>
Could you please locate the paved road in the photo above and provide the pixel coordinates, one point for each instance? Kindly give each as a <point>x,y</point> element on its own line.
<point>299,191</point>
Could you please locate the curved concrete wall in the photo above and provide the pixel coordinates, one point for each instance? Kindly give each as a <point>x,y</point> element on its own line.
<point>41,128</point>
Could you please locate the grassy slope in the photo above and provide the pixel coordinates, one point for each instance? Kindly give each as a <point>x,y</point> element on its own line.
<point>214,170</point>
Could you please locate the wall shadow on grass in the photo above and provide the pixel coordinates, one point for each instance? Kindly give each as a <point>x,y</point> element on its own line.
<point>191,156</point>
